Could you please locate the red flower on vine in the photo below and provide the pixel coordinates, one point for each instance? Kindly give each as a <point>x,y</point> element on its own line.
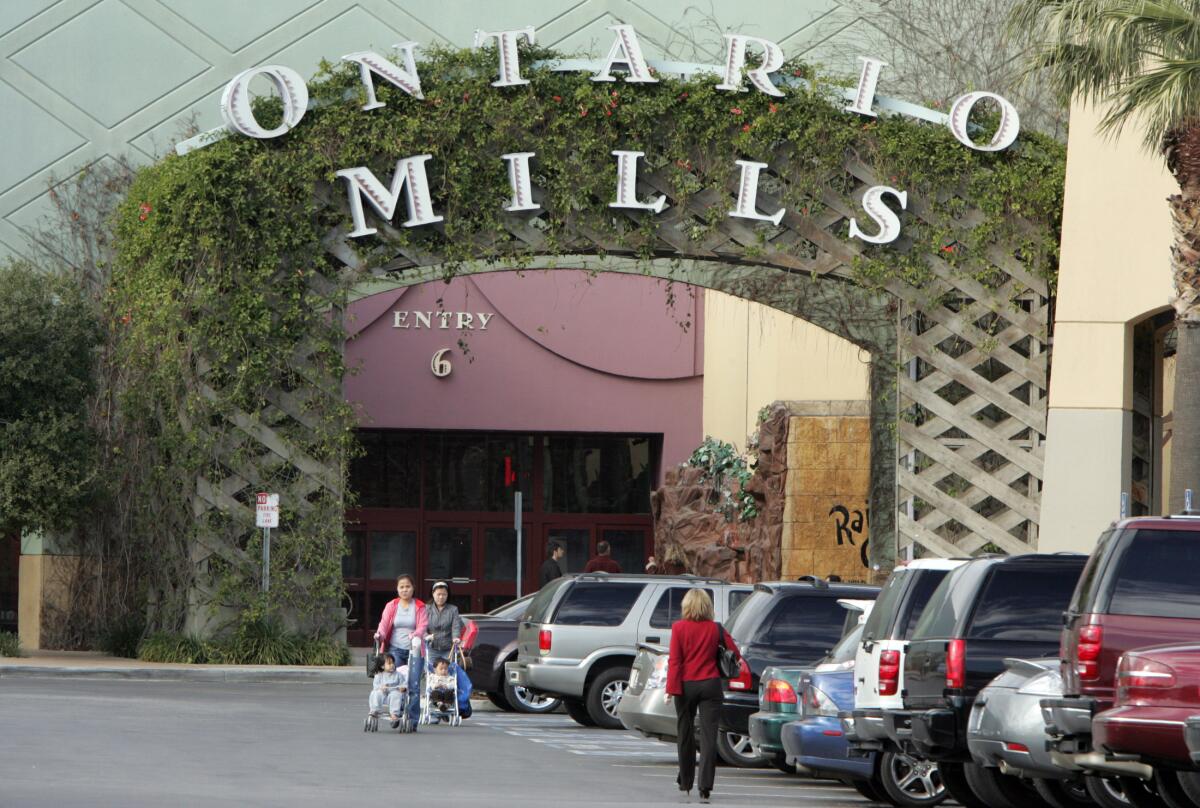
<point>557,99</point>
<point>746,128</point>
<point>684,164</point>
<point>736,110</point>
<point>583,112</point>
<point>949,248</point>
<point>683,94</point>
<point>144,211</point>
<point>773,108</point>
<point>126,318</point>
<point>466,96</point>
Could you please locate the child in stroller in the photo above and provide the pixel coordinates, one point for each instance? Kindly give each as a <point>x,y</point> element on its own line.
<point>389,687</point>
<point>441,694</point>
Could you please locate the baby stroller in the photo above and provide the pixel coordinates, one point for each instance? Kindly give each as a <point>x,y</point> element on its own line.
<point>394,707</point>
<point>445,709</point>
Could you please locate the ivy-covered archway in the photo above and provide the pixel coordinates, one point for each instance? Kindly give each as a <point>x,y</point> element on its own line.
<point>232,257</point>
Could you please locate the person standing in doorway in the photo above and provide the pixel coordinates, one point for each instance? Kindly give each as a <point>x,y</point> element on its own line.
<point>603,562</point>
<point>552,566</point>
<point>694,684</point>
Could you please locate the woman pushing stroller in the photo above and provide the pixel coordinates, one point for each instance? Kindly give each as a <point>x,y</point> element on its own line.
<point>442,638</point>
<point>401,629</point>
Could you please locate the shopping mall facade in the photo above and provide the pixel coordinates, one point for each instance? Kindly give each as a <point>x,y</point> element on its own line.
<point>578,390</point>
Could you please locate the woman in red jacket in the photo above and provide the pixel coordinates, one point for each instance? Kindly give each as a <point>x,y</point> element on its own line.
<point>694,682</point>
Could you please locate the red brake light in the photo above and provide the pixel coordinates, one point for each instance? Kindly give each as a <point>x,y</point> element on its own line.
<point>780,692</point>
<point>1087,652</point>
<point>1015,747</point>
<point>544,641</point>
<point>889,673</point>
<point>1136,672</point>
<point>956,669</point>
<point>743,680</point>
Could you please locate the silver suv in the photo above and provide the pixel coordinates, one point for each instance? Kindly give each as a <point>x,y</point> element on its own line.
<point>578,638</point>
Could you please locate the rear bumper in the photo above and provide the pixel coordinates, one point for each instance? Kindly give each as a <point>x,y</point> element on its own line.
<point>936,734</point>
<point>545,677</point>
<point>648,713</point>
<point>1068,717</point>
<point>817,743</point>
<point>736,710</point>
<point>1191,737</point>
<point>764,731</point>
<point>1069,723</point>
<point>1153,734</point>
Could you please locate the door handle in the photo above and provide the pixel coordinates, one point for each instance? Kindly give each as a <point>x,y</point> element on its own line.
<point>654,639</point>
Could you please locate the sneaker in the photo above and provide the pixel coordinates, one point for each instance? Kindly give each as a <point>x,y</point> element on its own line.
<point>395,723</point>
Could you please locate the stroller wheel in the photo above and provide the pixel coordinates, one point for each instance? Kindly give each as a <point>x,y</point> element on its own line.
<point>367,724</point>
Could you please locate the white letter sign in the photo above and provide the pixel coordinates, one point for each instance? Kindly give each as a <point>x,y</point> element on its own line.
<point>628,50</point>
<point>406,79</point>
<point>518,179</point>
<point>627,184</point>
<point>1006,132</point>
<point>866,86</point>
<point>735,61</point>
<point>747,202</point>
<point>409,177</point>
<point>510,63</point>
<point>235,101</point>
<point>885,217</point>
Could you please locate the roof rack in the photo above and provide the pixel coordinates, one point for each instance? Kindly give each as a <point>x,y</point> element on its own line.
<point>816,581</point>
<point>606,576</point>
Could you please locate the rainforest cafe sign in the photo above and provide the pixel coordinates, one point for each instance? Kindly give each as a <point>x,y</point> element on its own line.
<point>409,178</point>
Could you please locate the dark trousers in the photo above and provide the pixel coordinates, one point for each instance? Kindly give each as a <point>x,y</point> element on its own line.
<point>705,696</point>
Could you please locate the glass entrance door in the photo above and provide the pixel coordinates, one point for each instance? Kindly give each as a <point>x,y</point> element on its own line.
<point>370,568</point>
<point>450,550</point>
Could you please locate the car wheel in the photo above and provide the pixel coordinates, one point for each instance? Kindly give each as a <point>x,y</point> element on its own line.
<point>1106,792</point>
<point>520,700</point>
<point>604,696</point>
<point>1170,790</point>
<point>1190,783</point>
<point>1063,793</point>
<point>1000,790</point>
<point>734,748</point>
<point>500,702</point>
<point>956,783</point>
<point>1140,793</point>
<point>910,782</point>
<point>869,790</point>
<point>579,711</point>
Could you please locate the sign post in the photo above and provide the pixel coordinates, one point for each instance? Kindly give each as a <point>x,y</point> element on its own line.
<point>266,516</point>
<point>517,525</point>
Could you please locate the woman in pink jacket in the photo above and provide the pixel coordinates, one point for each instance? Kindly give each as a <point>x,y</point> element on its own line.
<point>401,628</point>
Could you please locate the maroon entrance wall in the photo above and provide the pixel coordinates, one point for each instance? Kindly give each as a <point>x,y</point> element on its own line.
<point>563,352</point>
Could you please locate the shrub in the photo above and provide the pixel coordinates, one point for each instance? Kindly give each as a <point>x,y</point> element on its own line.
<point>324,651</point>
<point>123,636</point>
<point>259,642</point>
<point>163,646</point>
<point>10,646</point>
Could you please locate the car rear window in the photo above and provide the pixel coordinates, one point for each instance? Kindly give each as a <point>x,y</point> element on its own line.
<point>736,598</point>
<point>879,622</point>
<point>1157,575</point>
<point>921,591</point>
<point>667,610</point>
<point>748,615</point>
<point>597,604</point>
<point>1023,603</point>
<point>538,610</point>
<point>949,602</point>
<point>803,623</point>
<point>1086,590</point>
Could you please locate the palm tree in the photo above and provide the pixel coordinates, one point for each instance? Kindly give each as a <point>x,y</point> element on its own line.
<point>1140,61</point>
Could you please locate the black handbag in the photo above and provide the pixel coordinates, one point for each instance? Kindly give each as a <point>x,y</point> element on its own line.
<point>374,663</point>
<point>727,660</point>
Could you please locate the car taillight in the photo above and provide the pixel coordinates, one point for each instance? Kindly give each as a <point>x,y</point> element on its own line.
<point>1138,673</point>
<point>779,692</point>
<point>1087,652</point>
<point>956,669</point>
<point>889,673</point>
<point>743,680</point>
<point>544,641</point>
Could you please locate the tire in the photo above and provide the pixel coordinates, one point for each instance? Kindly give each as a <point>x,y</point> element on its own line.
<point>868,789</point>
<point>1000,790</point>
<point>521,700</point>
<point>604,694</point>
<point>1106,793</point>
<point>500,702</point>
<point>579,711</point>
<point>926,789</point>
<point>1170,789</point>
<point>779,761</point>
<point>956,783</point>
<point>734,749</point>
<point>1190,783</point>
<point>1141,794</point>
<point>1063,793</point>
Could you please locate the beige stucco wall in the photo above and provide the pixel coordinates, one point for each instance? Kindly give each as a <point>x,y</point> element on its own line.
<point>1114,271</point>
<point>754,355</point>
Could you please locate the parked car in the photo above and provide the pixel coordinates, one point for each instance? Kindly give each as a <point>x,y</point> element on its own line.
<point>1156,694</point>
<point>1139,589</point>
<point>495,644</point>
<point>983,612</point>
<point>578,639</point>
<point>1007,738</point>
<point>778,688</point>
<point>879,681</point>
<point>782,624</point>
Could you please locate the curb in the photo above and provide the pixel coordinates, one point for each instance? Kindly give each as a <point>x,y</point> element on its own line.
<point>341,676</point>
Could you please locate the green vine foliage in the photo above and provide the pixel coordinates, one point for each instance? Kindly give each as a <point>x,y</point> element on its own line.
<point>222,278</point>
<point>728,474</point>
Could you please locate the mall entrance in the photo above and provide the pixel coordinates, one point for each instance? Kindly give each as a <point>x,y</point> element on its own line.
<point>439,506</point>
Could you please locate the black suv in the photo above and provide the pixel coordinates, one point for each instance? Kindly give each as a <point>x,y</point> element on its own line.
<point>983,612</point>
<point>785,624</point>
